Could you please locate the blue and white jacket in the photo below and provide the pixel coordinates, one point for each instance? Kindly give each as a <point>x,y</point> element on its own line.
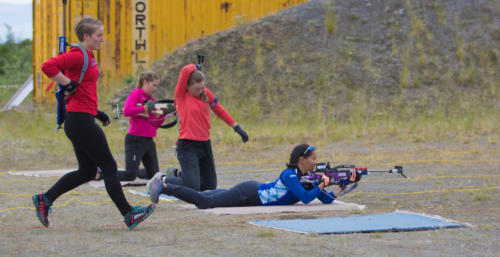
<point>287,190</point>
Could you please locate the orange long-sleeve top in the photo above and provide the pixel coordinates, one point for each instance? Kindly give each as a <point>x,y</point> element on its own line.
<point>193,113</point>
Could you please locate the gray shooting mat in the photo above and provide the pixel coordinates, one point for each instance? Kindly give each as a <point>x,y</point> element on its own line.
<point>395,221</point>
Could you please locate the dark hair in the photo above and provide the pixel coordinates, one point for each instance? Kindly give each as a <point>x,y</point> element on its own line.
<point>299,150</point>
<point>87,25</point>
<point>147,75</point>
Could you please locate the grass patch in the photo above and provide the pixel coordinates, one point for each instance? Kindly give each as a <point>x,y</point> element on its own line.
<point>481,197</point>
<point>355,212</point>
<point>376,235</point>
<point>266,235</point>
<point>330,18</point>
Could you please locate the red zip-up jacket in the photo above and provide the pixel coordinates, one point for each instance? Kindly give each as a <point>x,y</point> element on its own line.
<point>84,99</point>
<point>193,113</point>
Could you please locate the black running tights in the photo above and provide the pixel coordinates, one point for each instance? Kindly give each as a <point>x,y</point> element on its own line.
<point>92,151</point>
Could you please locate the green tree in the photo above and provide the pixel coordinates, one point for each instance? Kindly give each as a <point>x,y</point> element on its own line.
<point>15,59</point>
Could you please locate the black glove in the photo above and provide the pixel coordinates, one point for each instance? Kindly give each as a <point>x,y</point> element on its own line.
<point>198,67</point>
<point>103,117</point>
<point>243,134</point>
<point>70,88</point>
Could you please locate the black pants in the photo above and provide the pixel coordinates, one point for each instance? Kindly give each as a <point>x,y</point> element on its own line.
<point>139,149</point>
<point>197,164</point>
<point>243,194</point>
<point>92,151</point>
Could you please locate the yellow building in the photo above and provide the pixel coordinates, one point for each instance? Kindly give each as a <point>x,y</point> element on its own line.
<point>136,31</point>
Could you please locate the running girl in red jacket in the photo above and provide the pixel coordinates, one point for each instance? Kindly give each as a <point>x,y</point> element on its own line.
<point>194,151</point>
<point>89,142</point>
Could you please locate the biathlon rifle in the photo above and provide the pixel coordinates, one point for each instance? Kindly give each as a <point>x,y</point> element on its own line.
<point>62,93</point>
<point>340,175</point>
<point>201,59</point>
<point>164,106</point>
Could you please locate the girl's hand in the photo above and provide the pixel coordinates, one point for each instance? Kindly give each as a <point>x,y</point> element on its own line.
<point>325,179</point>
<point>149,106</point>
<point>353,176</point>
<point>241,132</point>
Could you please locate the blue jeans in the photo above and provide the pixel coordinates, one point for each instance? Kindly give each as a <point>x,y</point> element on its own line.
<point>197,164</point>
<point>243,194</point>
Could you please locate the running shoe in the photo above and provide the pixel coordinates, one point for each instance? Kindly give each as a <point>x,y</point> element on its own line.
<point>158,175</point>
<point>172,172</point>
<point>155,189</point>
<point>42,208</point>
<point>137,215</point>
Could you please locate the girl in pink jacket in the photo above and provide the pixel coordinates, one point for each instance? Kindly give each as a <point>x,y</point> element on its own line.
<point>139,144</point>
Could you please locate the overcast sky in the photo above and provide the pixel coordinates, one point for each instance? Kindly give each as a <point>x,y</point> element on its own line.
<point>15,1</point>
<point>18,15</point>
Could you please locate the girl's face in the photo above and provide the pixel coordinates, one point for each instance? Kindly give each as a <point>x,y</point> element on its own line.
<point>94,40</point>
<point>307,164</point>
<point>150,87</point>
<point>196,89</point>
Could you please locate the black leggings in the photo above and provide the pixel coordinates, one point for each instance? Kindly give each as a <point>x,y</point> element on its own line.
<point>243,194</point>
<point>139,149</point>
<point>92,151</point>
<point>197,164</point>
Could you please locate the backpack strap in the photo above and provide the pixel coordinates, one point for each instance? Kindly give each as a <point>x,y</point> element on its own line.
<point>85,61</point>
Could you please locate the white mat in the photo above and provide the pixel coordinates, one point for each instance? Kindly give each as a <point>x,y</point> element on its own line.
<point>136,182</point>
<point>40,173</point>
<point>162,196</point>
<point>315,205</point>
<point>60,173</point>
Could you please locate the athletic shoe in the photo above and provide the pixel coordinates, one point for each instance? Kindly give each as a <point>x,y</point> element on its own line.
<point>42,208</point>
<point>137,215</point>
<point>155,190</point>
<point>171,172</point>
<point>150,182</point>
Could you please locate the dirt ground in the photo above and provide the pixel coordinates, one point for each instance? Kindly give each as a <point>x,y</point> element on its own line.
<point>454,180</point>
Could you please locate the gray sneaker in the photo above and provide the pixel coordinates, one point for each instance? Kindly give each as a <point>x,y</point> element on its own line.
<point>171,172</point>
<point>150,182</point>
<point>155,190</point>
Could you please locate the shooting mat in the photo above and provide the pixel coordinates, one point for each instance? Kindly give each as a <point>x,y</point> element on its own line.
<point>315,205</point>
<point>40,173</point>
<point>59,173</point>
<point>396,221</point>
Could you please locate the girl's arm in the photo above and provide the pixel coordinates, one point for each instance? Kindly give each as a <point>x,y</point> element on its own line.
<point>329,197</point>
<point>53,67</point>
<point>181,88</point>
<point>326,197</point>
<point>131,108</point>
<point>156,120</point>
<point>60,78</point>
<point>291,180</point>
<point>219,110</point>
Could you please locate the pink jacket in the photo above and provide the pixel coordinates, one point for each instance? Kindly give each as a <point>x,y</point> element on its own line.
<point>139,125</point>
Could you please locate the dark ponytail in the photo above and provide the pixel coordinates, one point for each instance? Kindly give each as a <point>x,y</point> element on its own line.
<point>299,150</point>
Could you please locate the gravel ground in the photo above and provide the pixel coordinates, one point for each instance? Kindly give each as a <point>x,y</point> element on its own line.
<point>463,180</point>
